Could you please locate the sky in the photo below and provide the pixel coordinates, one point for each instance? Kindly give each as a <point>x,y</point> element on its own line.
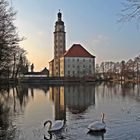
<point>91,23</point>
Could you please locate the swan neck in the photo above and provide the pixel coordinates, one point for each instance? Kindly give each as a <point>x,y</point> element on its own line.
<point>50,124</point>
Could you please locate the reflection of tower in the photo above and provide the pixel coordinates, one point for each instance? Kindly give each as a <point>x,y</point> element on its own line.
<point>58,96</point>
<point>59,43</point>
<point>79,97</point>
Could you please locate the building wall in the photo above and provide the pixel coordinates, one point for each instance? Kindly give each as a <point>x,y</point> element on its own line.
<point>51,68</point>
<point>62,68</point>
<point>59,44</point>
<point>59,49</point>
<point>79,66</point>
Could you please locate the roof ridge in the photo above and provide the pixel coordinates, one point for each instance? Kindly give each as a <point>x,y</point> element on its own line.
<point>77,50</point>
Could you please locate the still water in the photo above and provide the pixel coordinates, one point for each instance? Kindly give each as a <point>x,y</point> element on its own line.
<point>27,107</point>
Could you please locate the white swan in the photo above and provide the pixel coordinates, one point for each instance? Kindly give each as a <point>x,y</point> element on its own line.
<point>56,126</point>
<point>98,126</point>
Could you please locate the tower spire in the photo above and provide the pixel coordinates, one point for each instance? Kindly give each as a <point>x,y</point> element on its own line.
<point>59,15</point>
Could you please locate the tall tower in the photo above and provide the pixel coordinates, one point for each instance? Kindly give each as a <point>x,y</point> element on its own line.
<point>59,43</point>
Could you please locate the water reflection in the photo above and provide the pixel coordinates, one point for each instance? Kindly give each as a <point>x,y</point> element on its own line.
<point>48,137</point>
<point>5,122</point>
<point>13,101</point>
<point>57,95</point>
<point>20,95</point>
<point>77,98</point>
<point>24,108</point>
<point>97,134</point>
<point>111,90</point>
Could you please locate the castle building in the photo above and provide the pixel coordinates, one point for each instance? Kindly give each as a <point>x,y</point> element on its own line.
<point>76,62</point>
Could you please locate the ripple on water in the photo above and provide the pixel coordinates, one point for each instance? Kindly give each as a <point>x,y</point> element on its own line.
<point>122,129</point>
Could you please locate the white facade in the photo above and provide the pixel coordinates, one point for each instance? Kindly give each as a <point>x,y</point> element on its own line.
<point>77,66</point>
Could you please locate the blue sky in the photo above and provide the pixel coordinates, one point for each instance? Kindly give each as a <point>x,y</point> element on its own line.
<point>93,24</point>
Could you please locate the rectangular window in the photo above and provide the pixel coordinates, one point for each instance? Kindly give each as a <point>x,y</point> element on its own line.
<point>73,72</point>
<point>89,71</point>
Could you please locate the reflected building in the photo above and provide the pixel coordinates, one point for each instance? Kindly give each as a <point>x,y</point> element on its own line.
<point>58,96</point>
<point>77,98</point>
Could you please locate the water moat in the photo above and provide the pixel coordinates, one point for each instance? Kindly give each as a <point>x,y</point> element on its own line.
<point>27,106</point>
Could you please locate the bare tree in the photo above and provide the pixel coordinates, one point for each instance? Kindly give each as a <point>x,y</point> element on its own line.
<point>130,11</point>
<point>9,39</point>
<point>124,70</point>
<point>20,62</point>
<point>137,67</point>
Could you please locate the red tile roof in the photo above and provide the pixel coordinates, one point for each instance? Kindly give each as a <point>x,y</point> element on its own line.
<point>77,51</point>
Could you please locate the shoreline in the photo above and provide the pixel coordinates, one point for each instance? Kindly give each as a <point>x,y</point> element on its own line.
<point>62,80</point>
